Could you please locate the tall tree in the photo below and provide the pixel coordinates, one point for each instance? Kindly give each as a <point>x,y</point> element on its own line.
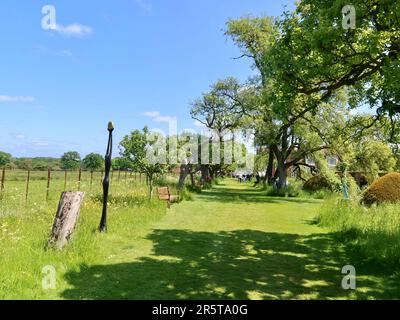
<point>70,160</point>
<point>147,153</point>
<point>225,110</point>
<point>93,162</point>
<point>254,36</point>
<point>5,158</point>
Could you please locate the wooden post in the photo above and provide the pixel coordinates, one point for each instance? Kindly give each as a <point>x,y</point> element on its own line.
<point>66,218</point>
<point>79,178</point>
<point>27,185</point>
<point>48,184</point>
<point>65,180</point>
<point>3,176</point>
<point>91,179</point>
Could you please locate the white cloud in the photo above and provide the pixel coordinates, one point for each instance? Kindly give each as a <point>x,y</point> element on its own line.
<point>151,114</point>
<point>16,98</point>
<point>157,117</point>
<point>74,29</point>
<point>40,143</point>
<point>61,53</point>
<point>145,6</point>
<point>20,136</point>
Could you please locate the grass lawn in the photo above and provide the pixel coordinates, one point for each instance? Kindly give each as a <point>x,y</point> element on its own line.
<point>231,242</point>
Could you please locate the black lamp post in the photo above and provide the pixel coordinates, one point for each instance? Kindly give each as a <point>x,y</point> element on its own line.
<point>106,181</point>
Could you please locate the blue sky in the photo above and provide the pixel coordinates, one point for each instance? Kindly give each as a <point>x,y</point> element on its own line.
<point>135,62</point>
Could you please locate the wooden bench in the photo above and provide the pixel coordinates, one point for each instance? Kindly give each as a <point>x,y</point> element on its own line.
<point>165,194</point>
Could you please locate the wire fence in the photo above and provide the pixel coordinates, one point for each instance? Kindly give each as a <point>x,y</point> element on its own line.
<point>26,185</point>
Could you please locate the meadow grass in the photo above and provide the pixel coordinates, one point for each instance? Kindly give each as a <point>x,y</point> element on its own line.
<point>373,231</point>
<point>25,229</point>
<point>232,242</point>
<point>228,242</point>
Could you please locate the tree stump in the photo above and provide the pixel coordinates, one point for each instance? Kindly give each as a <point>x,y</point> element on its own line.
<point>66,218</point>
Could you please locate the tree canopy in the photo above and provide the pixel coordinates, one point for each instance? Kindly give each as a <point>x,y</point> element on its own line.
<point>70,160</point>
<point>93,162</point>
<point>5,158</point>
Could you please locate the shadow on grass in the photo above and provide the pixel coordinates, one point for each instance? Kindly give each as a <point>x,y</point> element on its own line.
<point>222,194</point>
<point>229,265</point>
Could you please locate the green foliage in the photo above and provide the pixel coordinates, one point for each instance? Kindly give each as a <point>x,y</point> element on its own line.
<point>384,190</point>
<point>372,157</point>
<point>293,190</point>
<point>222,107</point>
<point>326,172</point>
<point>317,183</point>
<point>254,36</point>
<point>121,163</point>
<point>329,57</point>
<point>373,232</point>
<point>38,163</point>
<point>93,162</point>
<point>5,158</point>
<point>141,150</point>
<point>70,160</point>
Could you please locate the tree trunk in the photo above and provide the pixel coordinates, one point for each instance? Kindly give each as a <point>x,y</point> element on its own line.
<point>150,184</point>
<point>182,176</point>
<point>282,175</point>
<point>281,171</point>
<point>192,179</point>
<point>66,218</point>
<point>205,174</point>
<point>270,168</point>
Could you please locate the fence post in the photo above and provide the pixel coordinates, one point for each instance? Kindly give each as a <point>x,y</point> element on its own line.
<point>48,183</point>
<point>79,179</point>
<point>91,178</point>
<point>3,175</point>
<point>65,180</point>
<point>27,185</point>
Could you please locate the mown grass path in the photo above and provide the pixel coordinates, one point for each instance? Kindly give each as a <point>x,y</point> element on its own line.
<point>231,242</point>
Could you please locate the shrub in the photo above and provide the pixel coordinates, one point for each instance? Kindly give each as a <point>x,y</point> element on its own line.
<point>384,190</point>
<point>316,183</point>
<point>293,190</point>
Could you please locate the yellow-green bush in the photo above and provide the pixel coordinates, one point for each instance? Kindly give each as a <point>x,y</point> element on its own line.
<point>384,190</point>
